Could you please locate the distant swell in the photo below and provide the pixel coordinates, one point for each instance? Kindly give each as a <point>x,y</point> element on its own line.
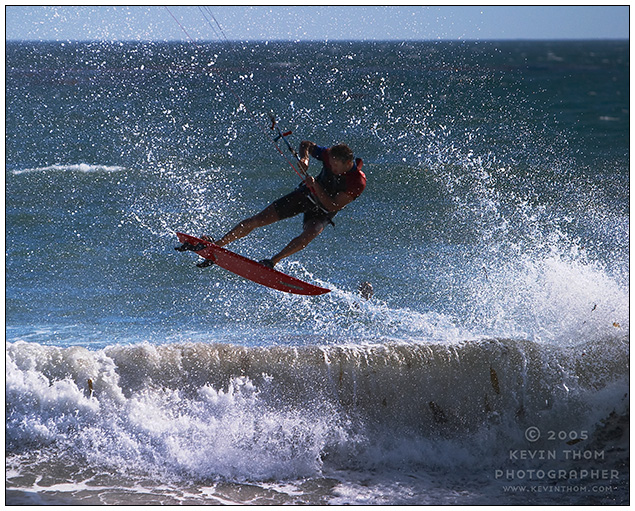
<point>79,167</point>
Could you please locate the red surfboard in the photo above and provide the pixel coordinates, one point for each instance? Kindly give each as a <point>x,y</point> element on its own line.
<point>250,269</point>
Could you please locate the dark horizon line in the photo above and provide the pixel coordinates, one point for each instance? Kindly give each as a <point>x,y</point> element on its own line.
<point>260,41</point>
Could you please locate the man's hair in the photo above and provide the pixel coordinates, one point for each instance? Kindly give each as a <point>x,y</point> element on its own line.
<point>342,153</point>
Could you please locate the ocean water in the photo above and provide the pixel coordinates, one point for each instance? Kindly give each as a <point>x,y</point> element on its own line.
<point>491,365</point>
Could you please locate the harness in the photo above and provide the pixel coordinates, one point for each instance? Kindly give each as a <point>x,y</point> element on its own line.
<point>332,184</point>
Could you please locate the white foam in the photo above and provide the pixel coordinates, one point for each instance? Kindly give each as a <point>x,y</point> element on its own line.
<point>79,167</point>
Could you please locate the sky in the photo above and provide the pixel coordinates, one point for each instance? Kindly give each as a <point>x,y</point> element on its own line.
<point>321,23</point>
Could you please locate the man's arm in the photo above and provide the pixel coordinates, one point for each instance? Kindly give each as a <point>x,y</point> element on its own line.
<point>306,148</point>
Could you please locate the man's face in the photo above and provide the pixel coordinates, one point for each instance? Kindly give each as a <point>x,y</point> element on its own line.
<point>340,167</point>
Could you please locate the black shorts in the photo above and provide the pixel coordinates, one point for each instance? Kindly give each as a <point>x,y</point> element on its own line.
<point>297,202</point>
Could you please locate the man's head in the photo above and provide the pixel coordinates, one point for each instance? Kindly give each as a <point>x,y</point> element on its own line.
<point>341,158</point>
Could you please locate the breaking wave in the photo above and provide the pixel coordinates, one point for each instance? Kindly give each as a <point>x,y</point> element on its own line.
<point>254,413</point>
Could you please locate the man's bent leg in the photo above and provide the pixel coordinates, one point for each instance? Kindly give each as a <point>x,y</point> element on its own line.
<point>265,217</point>
<point>310,232</point>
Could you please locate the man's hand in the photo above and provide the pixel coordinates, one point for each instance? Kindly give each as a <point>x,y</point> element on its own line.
<point>304,164</point>
<point>309,181</point>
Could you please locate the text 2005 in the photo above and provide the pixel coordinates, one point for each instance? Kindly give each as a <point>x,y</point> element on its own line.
<point>567,435</point>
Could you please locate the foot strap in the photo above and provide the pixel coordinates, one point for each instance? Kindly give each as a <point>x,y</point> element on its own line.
<point>189,246</point>
<point>268,263</point>
<point>205,263</point>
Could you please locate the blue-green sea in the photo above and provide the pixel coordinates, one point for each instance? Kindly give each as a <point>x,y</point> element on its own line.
<point>491,365</point>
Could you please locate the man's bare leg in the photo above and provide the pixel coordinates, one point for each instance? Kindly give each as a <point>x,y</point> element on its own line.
<point>265,217</point>
<point>310,232</point>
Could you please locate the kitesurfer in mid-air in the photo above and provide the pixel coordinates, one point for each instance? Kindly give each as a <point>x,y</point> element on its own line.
<point>339,183</point>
